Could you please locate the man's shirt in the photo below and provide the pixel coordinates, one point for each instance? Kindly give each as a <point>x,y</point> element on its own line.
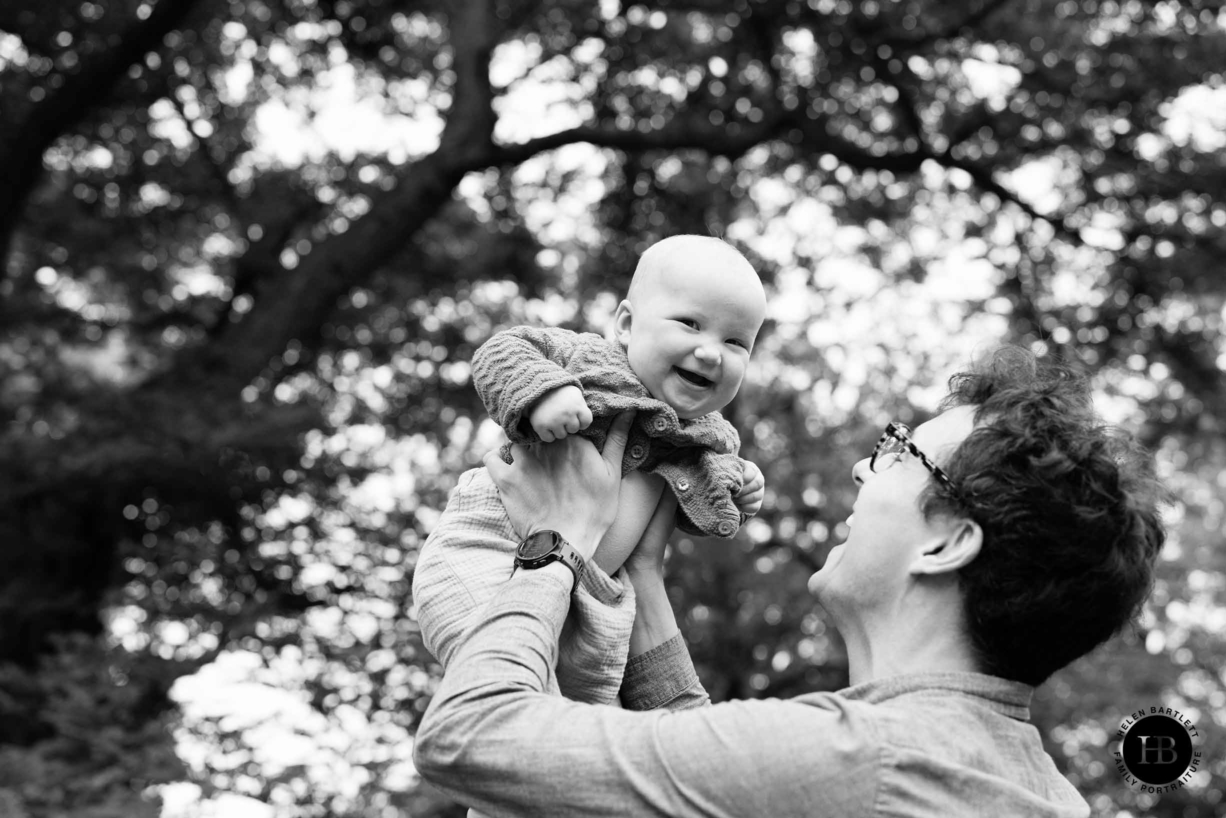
<point>942,744</point>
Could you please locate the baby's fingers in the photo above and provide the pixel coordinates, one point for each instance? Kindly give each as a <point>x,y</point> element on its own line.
<point>751,494</point>
<point>754,498</point>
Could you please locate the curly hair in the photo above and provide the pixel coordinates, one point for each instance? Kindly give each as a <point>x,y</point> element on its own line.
<point>1069,512</point>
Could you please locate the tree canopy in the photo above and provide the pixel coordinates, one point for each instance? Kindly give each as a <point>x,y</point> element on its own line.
<point>248,248</point>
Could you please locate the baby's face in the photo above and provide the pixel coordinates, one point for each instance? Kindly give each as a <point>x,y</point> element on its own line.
<point>689,332</point>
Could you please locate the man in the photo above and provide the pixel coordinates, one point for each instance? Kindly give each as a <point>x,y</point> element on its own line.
<point>1000,540</point>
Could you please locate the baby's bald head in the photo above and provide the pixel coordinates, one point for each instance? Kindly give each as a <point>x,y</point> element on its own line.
<point>689,258</point>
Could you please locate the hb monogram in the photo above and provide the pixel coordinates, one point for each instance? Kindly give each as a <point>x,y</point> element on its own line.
<point>1164,747</point>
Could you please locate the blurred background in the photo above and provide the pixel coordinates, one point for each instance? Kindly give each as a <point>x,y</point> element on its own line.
<point>248,248</point>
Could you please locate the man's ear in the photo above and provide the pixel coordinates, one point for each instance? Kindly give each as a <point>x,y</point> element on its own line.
<point>621,322</point>
<point>956,549</point>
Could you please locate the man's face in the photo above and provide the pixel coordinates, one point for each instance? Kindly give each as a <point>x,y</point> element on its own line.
<point>872,568</point>
<point>688,335</point>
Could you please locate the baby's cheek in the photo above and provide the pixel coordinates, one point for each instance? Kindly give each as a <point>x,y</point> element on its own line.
<point>737,369</point>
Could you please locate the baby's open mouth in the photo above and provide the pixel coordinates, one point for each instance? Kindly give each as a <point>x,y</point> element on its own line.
<point>694,377</point>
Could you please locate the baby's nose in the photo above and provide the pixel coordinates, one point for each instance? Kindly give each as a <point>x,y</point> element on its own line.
<point>708,354</point>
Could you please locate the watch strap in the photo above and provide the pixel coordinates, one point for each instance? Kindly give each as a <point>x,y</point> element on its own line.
<point>573,560</point>
<point>560,551</point>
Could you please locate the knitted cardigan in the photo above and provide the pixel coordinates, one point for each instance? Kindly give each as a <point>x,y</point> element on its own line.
<point>698,457</point>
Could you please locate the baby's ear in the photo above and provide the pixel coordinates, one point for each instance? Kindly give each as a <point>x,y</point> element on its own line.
<point>621,322</point>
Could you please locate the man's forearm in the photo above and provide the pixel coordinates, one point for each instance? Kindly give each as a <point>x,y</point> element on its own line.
<point>659,672</point>
<point>512,651</point>
<point>654,620</point>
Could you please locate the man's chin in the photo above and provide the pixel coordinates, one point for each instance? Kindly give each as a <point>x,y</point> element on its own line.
<point>819,582</point>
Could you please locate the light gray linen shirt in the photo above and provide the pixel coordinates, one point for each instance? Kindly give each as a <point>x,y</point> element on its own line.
<point>941,744</point>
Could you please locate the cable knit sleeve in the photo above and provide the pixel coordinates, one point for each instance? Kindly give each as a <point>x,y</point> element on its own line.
<point>517,367</point>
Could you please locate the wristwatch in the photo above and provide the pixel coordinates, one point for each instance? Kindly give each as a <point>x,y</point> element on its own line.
<point>545,547</point>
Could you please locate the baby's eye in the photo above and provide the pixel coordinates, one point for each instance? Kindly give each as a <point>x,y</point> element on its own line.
<point>689,322</point>
<point>737,342</point>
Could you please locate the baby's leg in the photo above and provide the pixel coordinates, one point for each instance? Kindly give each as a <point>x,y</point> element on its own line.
<point>636,502</point>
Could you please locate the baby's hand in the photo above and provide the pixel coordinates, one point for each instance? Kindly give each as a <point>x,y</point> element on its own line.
<point>753,489</point>
<point>562,412</point>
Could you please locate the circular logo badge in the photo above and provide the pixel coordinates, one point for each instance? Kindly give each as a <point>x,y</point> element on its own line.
<point>1157,750</point>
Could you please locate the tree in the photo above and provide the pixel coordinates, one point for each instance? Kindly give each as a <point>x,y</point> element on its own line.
<point>213,349</point>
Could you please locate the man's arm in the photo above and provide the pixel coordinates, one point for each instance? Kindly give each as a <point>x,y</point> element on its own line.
<point>659,672</point>
<point>493,741</point>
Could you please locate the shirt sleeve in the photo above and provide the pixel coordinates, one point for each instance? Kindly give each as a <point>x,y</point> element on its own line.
<point>494,742</point>
<point>663,677</point>
<point>519,366</point>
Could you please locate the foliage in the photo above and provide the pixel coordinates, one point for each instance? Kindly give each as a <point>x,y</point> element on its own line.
<point>99,740</point>
<point>249,247</point>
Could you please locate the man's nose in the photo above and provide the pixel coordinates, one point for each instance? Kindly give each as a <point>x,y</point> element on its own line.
<point>860,471</point>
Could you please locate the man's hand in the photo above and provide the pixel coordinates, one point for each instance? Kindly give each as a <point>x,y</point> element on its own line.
<point>566,486</point>
<point>562,412</point>
<point>753,490</point>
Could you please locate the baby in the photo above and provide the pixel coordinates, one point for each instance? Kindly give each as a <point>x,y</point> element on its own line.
<point>683,336</point>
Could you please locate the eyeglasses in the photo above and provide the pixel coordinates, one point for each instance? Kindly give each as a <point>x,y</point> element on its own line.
<point>897,439</point>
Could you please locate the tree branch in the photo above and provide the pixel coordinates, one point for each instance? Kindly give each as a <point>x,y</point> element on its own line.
<point>983,178</point>
<point>909,44</point>
<point>295,304</point>
<point>474,33</point>
<point>24,142</point>
<point>204,148</point>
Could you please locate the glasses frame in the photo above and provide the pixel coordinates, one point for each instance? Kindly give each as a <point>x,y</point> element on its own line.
<point>902,433</point>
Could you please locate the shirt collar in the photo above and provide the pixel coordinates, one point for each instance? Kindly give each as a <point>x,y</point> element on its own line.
<point>1011,699</point>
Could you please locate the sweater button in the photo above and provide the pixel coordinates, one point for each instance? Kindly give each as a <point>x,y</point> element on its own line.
<point>636,451</point>
<point>659,423</point>
<point>725,528</point>
<point>683,485</point>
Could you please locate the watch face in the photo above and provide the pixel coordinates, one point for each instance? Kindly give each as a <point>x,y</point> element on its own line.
<point>537,546</point>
